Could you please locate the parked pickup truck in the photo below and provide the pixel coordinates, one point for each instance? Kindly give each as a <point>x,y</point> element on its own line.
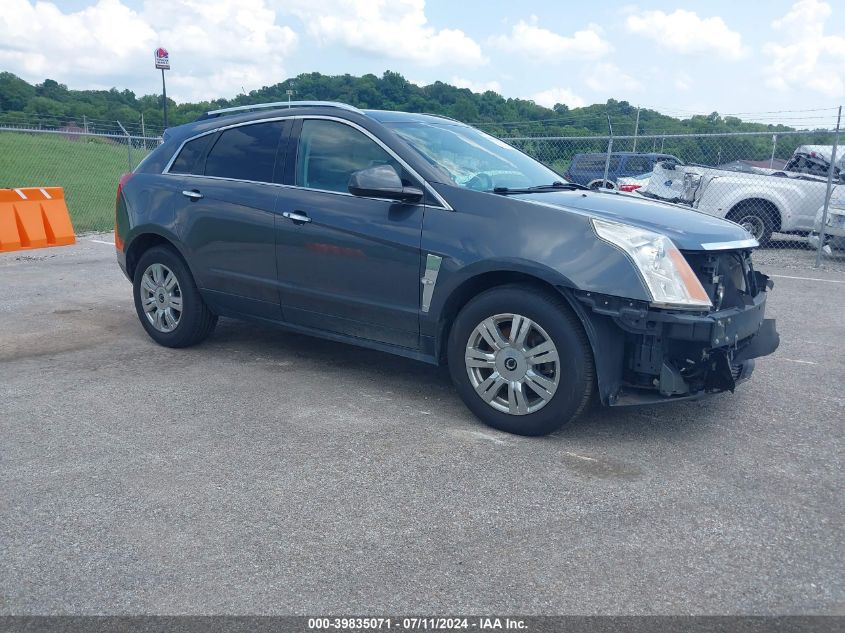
<point>834,230</point>
<point>763,202</point>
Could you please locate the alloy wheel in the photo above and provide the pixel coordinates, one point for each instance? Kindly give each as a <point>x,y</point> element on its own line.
<point>512,364</point>
<point>161,297</point>
<point>754,225</point>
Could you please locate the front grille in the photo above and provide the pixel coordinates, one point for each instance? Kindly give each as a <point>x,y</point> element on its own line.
<point>727,276</point>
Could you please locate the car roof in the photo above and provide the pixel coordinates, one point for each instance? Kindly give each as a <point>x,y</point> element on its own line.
<point>393,116</point>
<point>206,122</point>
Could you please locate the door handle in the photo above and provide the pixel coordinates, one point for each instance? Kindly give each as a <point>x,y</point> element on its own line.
<point>296,216</point>
<point>193,194</point>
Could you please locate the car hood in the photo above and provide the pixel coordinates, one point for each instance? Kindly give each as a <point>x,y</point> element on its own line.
<point>687,228</point>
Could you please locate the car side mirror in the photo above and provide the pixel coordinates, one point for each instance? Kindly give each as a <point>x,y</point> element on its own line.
<point>382,181</point>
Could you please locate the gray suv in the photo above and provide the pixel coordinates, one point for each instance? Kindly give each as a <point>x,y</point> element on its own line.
<point>421,236</point>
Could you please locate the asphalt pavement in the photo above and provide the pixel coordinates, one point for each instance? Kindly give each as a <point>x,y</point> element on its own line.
<point>267,472</point>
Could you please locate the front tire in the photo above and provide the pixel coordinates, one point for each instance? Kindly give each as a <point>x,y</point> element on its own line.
<point>167,300</point>
<point>520,360</point>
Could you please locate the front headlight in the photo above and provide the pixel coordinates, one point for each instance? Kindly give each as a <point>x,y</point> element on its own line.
<point>666,273</point>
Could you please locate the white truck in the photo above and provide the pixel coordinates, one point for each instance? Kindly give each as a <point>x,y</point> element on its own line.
<point>834,230</point>
<point>763,201</point>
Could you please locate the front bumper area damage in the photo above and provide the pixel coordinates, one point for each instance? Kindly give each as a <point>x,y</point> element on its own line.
<point>646,355</point>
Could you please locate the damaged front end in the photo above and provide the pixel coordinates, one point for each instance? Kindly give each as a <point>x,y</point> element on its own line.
<point>646,354</point>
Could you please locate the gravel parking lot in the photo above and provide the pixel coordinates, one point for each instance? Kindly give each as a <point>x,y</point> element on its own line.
<point>265,472</point>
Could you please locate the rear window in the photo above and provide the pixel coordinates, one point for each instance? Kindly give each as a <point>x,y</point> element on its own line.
<point>188,160</point>
<point>247,152</point>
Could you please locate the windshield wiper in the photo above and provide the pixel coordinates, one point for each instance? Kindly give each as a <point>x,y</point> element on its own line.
<point>556,185</point>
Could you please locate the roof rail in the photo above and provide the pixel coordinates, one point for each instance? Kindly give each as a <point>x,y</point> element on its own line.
<point>282,104</point>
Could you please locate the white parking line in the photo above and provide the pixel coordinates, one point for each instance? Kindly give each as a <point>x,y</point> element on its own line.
<point>830,281</point>
<point>803,362</point>
<point>102,242</point>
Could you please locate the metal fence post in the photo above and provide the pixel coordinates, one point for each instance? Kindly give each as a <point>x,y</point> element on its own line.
<point>829,189</point>
<point>128,145</point>
<point>774,145</point>
<point>609,150</point>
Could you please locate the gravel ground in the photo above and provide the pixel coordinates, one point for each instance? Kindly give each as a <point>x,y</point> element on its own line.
<point>264,472</point>
<point>794,253</point>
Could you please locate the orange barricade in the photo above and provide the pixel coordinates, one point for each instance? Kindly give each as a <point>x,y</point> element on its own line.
<point>34,217</point>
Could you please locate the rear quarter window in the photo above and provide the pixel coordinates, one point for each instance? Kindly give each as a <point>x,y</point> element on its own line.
<point>188,160</point>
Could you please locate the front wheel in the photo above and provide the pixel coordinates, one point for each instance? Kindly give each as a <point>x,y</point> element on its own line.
<point>520,360</point>
<point>167,300</point>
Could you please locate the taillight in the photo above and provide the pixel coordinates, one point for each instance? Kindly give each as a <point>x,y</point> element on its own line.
<point>630,187</point>
<point>118,242</point>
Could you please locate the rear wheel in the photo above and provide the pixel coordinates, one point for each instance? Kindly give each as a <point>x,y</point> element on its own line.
<point>602,184</point>
<point>757,219</point>
<point>520,360</point>
<point>167,300</point>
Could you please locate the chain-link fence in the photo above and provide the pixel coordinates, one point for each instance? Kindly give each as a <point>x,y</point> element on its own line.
<point>776,186</point>
<point>87,165</point>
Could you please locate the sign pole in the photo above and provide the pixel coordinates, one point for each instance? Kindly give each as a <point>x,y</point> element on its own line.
<point>164,95</point>
<point>162,58</point>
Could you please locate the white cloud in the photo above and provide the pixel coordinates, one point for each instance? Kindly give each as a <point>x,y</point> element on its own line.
<point>806,57</point>
<point>687,33</point>
<point>607,77</point>
<point>683,82</point>
<point>217,47</point>
<point>476,86</point>
<point>536,42</point>
<point>227,44</point>
<point>549,98</point>
<point>39,40</point>
<point>392,29</point>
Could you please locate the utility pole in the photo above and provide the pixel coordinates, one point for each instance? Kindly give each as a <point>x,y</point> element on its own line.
<point>636,129</point>
<point>143,131</point>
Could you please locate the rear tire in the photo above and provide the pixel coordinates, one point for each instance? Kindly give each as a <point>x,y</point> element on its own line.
<point>167,300</point>
<point>520,360</point>
<point>755,218</point>
<point>599,184</point>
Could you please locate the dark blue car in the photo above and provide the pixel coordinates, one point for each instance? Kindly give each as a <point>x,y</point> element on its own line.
<point>420,236</point>
<point>588,169</point>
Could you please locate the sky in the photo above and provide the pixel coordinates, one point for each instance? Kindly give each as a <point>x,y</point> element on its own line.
<point>761,59</point>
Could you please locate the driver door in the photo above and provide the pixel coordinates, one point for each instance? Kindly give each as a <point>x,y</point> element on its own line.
<point>346,264</point>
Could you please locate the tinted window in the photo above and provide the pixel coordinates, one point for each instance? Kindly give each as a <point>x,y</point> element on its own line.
<point>247,152</point>
<point>188,160</point>
<point>638,164</point>
<point>596,163</point>
<point>329,152</point>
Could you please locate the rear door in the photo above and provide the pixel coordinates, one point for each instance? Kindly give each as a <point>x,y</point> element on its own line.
<point>226,219</point>
<point>347,264</point>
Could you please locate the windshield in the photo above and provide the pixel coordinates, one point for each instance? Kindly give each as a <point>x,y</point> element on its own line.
<point>470,158</point>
